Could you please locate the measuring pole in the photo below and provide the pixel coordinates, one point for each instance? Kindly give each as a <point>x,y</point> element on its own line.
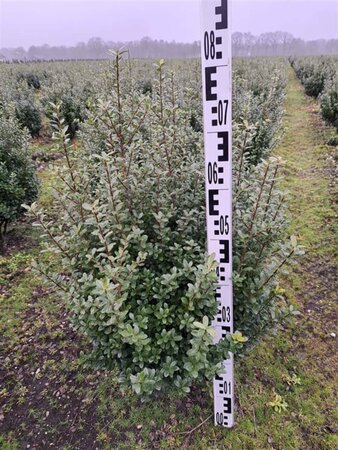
<point>217,116</point>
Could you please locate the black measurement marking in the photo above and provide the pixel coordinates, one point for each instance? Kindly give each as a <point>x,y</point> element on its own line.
<point>219,40</point>
<point>223,314</point>
<point>225,330</point>
<point>214,123</point>
<point>213,202</point>
<point>214,110</point>
<point>222,189</point>
<point>227,405</point>
<point>219,55</point>
<point>223,145</point>
<point>220,419</point>
<point>220,170</point>
<point>225,251</point>
<point>223,12</point>
<point>220,390</point>
<point>224,226</point>
<point>222,111</point>
<point>224,387</point>
<point>209,45</point>
<point>210,83</point>
<point>212,173</point>
<point>227,387</point>
<point>221,277</point>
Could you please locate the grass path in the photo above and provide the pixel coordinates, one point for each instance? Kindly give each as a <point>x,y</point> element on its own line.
<point>310,172</point>
<point>49,400</point>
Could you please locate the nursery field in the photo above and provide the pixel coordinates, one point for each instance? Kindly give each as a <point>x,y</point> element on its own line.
<point>106,293</point>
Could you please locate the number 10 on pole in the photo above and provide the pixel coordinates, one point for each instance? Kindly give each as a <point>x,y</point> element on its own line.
<point>217,114</point>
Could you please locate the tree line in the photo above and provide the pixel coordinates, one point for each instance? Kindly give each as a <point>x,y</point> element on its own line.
<point>244,44</point>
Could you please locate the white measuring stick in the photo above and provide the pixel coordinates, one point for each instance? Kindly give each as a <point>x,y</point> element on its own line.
<point>217,116</point>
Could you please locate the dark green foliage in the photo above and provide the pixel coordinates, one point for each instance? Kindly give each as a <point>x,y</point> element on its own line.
<point>329,103</point>
<point>314,73</point>
<point>195,123</point>
<point>333,141</point>
<point>314,84</point>
<point>258,102</point>
<point>29,116</point>
<point>72,111</point>
<point>32,80</point>
<point>147,87</point>
<point>320,79</point>
<point>18,181</point>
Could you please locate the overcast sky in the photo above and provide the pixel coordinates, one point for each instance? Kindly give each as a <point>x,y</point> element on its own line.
<point>66,22</point>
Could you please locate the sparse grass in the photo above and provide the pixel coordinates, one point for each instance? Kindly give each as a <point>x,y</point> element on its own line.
<point>48,397</point>
<point>47,179</point>
<point>8,444</point>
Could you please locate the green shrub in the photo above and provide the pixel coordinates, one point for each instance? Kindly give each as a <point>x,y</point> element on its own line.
<point>329,102</point>
<point>131,235</point>
<point>314,85</point>
<point>320,79</point>
<point>71,110</point>
<point>314,73</point>
<point>29,116</point>
<point>332,141</point>
<point>195,123</point>
<point>263,113</point>
<point>146,87</point>
<point>31,79</point>
<point>18,182</point>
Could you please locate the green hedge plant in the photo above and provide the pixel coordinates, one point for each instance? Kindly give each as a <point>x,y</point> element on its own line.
<point>329,102</point>
<point>18,181</point>
<point>130,231</point>
<point>29,116</point>
<point>314,72</point>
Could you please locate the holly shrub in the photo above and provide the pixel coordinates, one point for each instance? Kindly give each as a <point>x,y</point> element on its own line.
<point>329,102</point>
<point>18,181</point>
<point>29,116</point>
<point>129,226</point>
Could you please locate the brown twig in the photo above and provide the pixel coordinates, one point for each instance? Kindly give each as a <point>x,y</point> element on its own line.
<point>195,428</point>
<point>253,216</point>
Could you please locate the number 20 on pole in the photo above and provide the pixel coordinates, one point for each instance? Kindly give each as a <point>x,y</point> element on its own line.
<point>217,114</point>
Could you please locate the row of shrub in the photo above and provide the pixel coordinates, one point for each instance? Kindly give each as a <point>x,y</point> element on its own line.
<point>320,79</point>
<point>32,90</point>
